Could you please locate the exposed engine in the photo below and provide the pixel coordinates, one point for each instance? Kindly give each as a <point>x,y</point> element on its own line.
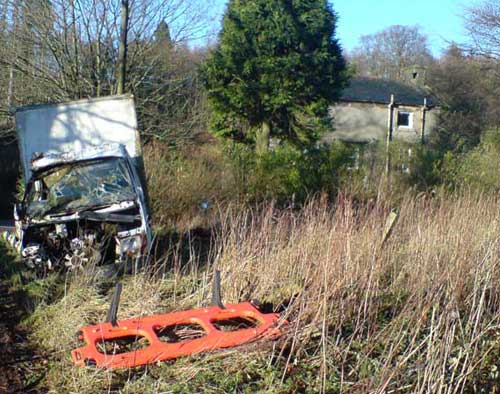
<point>83,251</point>
<point>71,245</point>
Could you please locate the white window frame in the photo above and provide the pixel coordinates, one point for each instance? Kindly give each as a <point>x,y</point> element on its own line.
<point>410,120</point>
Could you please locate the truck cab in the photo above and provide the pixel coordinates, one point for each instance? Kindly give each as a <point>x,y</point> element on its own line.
<point>84,191</point>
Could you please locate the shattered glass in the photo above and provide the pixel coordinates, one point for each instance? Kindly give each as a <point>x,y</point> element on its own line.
<point>83,185</point>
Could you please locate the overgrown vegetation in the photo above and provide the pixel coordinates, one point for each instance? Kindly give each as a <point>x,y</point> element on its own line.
<point>477,169</point>
<point>418,313</point>
<point>31,292</point>
<point>298,226</point>
<point>188,186</point>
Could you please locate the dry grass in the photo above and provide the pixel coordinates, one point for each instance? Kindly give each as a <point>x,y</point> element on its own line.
<point>417,314</point>
<point>181,182</point>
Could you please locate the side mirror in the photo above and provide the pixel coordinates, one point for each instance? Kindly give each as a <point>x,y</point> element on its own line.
<point>17,211</point>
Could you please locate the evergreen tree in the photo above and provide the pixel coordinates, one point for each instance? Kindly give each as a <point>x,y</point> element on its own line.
<point>162,34</point>
<point>276,69</point>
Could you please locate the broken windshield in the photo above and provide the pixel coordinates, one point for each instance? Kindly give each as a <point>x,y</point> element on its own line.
<point>71,187</point>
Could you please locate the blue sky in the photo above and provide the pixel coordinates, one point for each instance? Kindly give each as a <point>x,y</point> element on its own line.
<point>440,20</point>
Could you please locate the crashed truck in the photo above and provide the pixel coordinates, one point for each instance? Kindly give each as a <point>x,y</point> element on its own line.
<point>84,185</point>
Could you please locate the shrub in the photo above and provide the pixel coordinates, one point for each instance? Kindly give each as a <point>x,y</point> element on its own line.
<point>287,173</point>
<point>478,169</point>
<point>412,167</point>
<point>187,185</point>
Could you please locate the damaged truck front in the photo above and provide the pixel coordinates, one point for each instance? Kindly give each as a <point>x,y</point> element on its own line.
<point>84,198</point>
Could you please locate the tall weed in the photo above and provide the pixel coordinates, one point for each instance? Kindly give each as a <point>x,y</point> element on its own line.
<point>419,313</point>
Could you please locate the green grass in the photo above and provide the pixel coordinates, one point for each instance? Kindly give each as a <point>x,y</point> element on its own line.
<point>30,290</point>
<point>9,263</point>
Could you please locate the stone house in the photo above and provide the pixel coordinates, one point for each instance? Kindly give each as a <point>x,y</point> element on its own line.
<point>375,109</point>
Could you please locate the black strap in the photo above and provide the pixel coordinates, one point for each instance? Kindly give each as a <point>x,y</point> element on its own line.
<point>216,297</point>
<point>113,308</point>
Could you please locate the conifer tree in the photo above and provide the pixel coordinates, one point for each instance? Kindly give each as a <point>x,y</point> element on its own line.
<point>275,70</point>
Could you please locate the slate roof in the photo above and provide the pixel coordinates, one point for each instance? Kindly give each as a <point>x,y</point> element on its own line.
<point>380,90</point>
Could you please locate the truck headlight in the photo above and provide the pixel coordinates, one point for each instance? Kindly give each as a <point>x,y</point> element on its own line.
<point>130,246</point>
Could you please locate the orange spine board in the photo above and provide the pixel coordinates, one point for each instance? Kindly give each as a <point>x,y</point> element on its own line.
<point>148,326</point>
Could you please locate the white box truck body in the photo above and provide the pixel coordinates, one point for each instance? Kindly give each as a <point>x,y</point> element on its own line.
<point>84,183</point>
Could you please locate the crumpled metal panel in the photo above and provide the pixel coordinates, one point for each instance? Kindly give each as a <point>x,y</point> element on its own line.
<point>104,151</point>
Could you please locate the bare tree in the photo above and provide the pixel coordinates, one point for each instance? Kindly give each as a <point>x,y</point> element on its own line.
<point>389,53</point>
<point>469,95</point>
<point>65,49</point>
<point>482,21</point>
<point>74,45</point>
<point>122,51</point>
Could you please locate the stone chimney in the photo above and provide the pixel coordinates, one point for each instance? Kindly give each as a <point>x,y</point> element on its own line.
<point>416,75</point>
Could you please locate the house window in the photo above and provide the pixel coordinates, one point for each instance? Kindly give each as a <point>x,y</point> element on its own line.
<point>405,119</point>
